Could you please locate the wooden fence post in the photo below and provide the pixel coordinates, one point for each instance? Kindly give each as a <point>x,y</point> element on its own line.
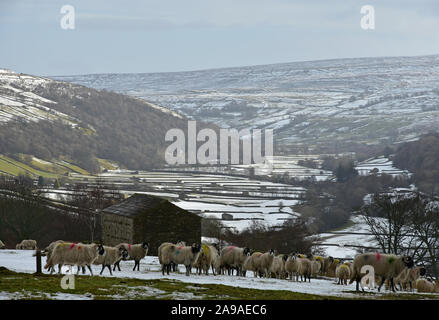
<point>38,255</point>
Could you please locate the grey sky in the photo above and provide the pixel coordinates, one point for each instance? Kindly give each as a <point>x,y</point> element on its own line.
<point>175,35</point>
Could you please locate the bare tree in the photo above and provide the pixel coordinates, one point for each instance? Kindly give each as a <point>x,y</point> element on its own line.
<point>387,217</point>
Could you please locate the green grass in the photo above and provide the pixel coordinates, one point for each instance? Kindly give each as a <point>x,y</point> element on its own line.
<point>31,286</point>
<point>16,166</point>
<point>34,168</point>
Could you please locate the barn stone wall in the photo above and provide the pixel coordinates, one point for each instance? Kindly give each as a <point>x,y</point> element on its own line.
<point>166,223</point>
<point>116,229</point>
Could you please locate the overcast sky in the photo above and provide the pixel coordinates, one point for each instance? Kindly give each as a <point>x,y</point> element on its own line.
<point>176,35</point>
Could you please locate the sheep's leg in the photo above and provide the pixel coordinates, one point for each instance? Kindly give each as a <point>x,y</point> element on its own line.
<point>135,264</point>
<point>383,279</point>
<point>89,268</point>
<point>109,268</point>
<point>188,268</point>
<point>392,284</point>
<point>102,270</point>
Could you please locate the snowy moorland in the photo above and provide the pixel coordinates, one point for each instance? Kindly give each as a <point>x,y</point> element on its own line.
<point>326,103</point>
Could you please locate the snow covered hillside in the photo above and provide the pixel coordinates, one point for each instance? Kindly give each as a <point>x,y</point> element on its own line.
<point>326,103</point>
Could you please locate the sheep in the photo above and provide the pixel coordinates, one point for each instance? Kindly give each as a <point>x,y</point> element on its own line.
<point>423,285</point>
<point>74,254</point>
<point>27,245</point>
<point>264,262</point>
<point>407,278</point>
<point>330,272</point>
<point>327,261</point>
<point>205,259</point>
<point>136,252</point>
<point>186,255</point>
<point>291,266</point>
<point>303,268</point>
<point>316,267</point>
<point>2,245</point>
<point>248,266</point>
<point>233,257</point>
<point>111,256</point>
<point>214,257</point>
<point>179,243</point>
<point>278,266</point>
<point>343,273</point>
<point>49,250</point>
<point>386,266</point>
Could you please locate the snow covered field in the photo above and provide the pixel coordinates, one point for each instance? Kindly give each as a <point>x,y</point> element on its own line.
<point>22,261</point>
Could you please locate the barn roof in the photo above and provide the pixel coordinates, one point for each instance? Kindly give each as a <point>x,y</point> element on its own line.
<point>137,203</point>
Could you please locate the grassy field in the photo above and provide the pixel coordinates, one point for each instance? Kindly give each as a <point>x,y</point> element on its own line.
<point>31,286</point>
<point>28,165</point>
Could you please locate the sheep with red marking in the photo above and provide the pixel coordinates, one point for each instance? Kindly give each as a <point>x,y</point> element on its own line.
<point>136,252</point>
<point>233,257</point>
<point>386,266</point>
<point>74,254</point>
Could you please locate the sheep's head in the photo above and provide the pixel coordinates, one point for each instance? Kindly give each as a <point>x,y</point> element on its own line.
<point>246,251</point>
<point>101,249</point>
<point>285,257</point>
<point>196,247</point>
<point>145,245</point>
<point>272,252</point>
<point>408,261</point>
<point>422,271</point>
<point>123,253</point>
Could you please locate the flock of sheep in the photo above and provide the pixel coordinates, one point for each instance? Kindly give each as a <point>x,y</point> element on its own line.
<point>395,272</point>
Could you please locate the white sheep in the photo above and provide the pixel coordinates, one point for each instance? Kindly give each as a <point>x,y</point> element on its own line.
<point>386,266</point>
<point>74,254</point>
<point>407,278</point>
<point>111,256</point>
<point>423,285</point>
<point>179,255</point>
<point>291,266</point>
<point>263,263</point>
<point>343,273</point>
<point>248,266</point>
<point>233,257</point>
<point>278,266</point>
<point>49,250</point>
<point>303,268</point>
<point>27,245</point>
<point>206,259</point>
<point>136,252</point>
<point>316,267</point>
<point>159,250</point>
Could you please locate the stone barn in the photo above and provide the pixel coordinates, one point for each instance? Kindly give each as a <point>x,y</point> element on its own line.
<point>148,218</point>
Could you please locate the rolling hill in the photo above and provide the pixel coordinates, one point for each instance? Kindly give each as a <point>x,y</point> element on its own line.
<point>326,106</point>
<point>65,124</point>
